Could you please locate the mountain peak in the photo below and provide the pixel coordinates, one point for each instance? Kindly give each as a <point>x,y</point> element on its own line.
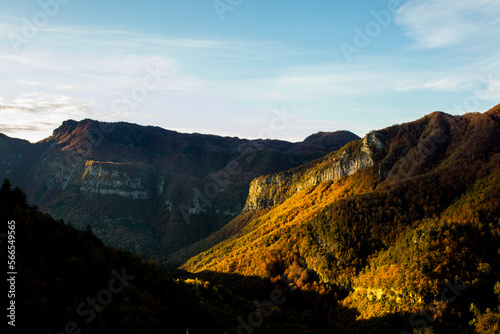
<point>61,133</point>
<point>330,139</point>
<point>323,136</point>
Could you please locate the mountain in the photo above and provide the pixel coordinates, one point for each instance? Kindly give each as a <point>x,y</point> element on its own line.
<point>398,232</point>
<point>68,281</point>
<point>146,189</point>
<point>405,223</point>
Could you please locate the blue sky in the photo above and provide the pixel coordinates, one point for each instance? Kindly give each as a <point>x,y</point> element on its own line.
<point>247,68</point>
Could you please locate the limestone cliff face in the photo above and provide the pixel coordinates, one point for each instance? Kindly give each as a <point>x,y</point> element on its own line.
<point>82,176</point>
<point>274,189</point>
<point>115,179</point>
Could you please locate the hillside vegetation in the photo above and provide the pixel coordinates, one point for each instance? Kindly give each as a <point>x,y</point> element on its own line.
<point>417,234</point>
<point>398,232</point>
<point>69,281</point>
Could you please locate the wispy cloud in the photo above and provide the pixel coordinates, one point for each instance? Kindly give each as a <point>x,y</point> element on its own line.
<point>15,130</point>
<point>29,83</point>
<point>489,89</point>
<point>441,82</point>
<point>94,40</point>
<point>41,103</point>
<point>89,36</point>
<point>36,115</point>
<point>441,23</point>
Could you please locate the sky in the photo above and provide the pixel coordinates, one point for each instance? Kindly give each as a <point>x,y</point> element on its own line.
<point>246,68</point>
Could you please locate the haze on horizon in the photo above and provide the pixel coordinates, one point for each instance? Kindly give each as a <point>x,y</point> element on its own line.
<point>231,67</point>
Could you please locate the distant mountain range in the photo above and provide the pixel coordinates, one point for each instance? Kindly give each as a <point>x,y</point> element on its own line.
<point>146,189</point>
<point>397,232</point>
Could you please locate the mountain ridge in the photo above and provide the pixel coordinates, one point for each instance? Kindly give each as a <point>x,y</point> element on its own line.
<point>144,188</point>
<point>392,234</point>
<point>395,232</point>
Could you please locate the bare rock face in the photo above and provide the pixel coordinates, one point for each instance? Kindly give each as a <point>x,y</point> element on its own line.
<point>123,180</point>
<point>271,190</point>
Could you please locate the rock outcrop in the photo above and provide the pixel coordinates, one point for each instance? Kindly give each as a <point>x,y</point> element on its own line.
<point>271,190</point>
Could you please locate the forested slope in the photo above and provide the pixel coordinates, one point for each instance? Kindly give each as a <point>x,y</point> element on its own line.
<point>393,236</point>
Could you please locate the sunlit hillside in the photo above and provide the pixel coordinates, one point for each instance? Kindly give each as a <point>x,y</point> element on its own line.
<point>393,236</point>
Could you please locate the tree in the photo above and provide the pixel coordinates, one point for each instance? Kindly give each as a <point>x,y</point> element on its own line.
<point>19,197</point>
<point>6,188</point>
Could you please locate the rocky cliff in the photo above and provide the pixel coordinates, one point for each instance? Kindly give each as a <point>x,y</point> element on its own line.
<point>266,191</point>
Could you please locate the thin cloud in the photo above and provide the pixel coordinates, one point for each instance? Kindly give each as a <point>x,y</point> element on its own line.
<point>41,103</point>
<point>489,89</point>
<point>9,128</point>
<point>35,115</point>
<point>441,84</point>
<point>443,23</point>
<point>104,40</point>
<point>29,83</point>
